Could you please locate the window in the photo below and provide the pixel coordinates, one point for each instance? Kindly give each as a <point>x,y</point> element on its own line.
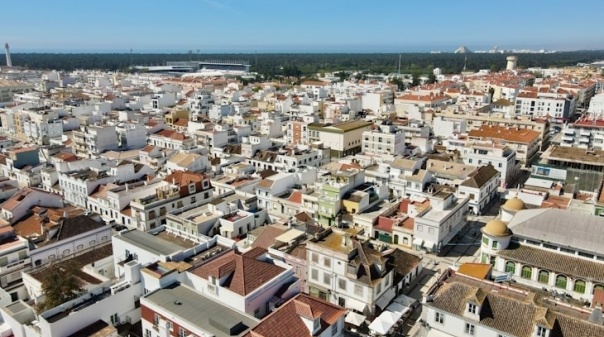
<point>510,267</point>
<point>358,290</point>
<point>342,284</point>
<point>326,278</point>
<point>439,318</point>
<point>156,320</point>
<point>472,308</point>
<point>379,288</point>
<point>470,329</point>
<point>327,262</point>
<point>314,274</point>
<point>561,281</point>
<point>485,240</point>
<point>334,329</point>
<point>169,325</point>
<point>543,276</point>
<point>315,258</point>
<point>527,272</point>
<point>541,331</point>
<point>495,244</point>
<point>579,286</point>
<point>182,332</point>
<point>147,333</point>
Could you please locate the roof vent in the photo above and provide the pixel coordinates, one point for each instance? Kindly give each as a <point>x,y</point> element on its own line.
<point>178,302</point>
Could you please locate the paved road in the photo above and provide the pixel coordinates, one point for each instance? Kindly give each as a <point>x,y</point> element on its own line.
<point>464,248</point>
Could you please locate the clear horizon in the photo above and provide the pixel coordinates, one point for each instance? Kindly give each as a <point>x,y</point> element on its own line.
<point>312,26</point>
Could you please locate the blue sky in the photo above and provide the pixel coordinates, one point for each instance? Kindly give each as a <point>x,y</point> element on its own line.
<point>299,26</point>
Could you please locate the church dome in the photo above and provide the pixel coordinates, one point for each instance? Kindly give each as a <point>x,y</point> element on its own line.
<point>497,228</point>
<point>514,204</point>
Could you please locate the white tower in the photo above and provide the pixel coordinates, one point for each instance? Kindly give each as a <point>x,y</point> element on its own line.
<point>9,63</point>
<point>511,62</point>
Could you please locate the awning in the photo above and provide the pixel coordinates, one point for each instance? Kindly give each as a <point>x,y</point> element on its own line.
<point>405,300</point>
<point>380,326</point>
<point>385,299</point>
<point>356,305</point>
<point>418,242</point>
<point>354,318</point>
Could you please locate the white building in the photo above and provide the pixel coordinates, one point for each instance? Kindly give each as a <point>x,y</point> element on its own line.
<point>538,104</point>
<point>437,224</point>
<point>356,275</point>
<point>537,249</point>
<point>462,306</point>
<point>388,140</point>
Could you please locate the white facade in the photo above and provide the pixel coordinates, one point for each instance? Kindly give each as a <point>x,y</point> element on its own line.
<point>435,226</point>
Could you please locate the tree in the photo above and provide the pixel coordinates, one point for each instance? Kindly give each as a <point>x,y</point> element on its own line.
<point>60,285</point>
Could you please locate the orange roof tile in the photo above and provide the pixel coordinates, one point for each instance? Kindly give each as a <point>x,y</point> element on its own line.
<point>287,320</point>
<point>246,272</point>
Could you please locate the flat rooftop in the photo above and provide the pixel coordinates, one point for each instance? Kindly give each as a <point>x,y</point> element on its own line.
<point>572,154</point>
<point>201,312</point>
<point>149,242</point>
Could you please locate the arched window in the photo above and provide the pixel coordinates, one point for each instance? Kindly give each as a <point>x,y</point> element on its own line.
<point>579,286</point>
<point>527,272</point>
<point>598,286</point>
<point>543,276</point>
<point>510,267</point>
<point>561,281</point>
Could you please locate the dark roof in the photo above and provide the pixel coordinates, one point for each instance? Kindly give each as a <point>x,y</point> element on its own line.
<point>480,176</point>
<point>71,227</point>
<point>78,262</point>
<point>403,263</point>
<point>267,173</point>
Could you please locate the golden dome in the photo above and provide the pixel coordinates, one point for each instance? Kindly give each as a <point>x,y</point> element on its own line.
<point>514,204</point>
<point>496,227</point>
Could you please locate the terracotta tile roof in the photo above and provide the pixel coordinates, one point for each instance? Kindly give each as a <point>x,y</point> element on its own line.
<point>246,273</point>
<point>481,176</point>
<point>295,197</point>
<point>265,183</point>
<point>287,320</point>
<point>512,313</point>
<point>559,263</point>
<point>182,122</point>
<point>523,136</point>
<point>66,156</point>
<point>148,148</point>
<point>267,236</point>
<point>384,224</point>
<point>598,298</point>
<point>181,178</point>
